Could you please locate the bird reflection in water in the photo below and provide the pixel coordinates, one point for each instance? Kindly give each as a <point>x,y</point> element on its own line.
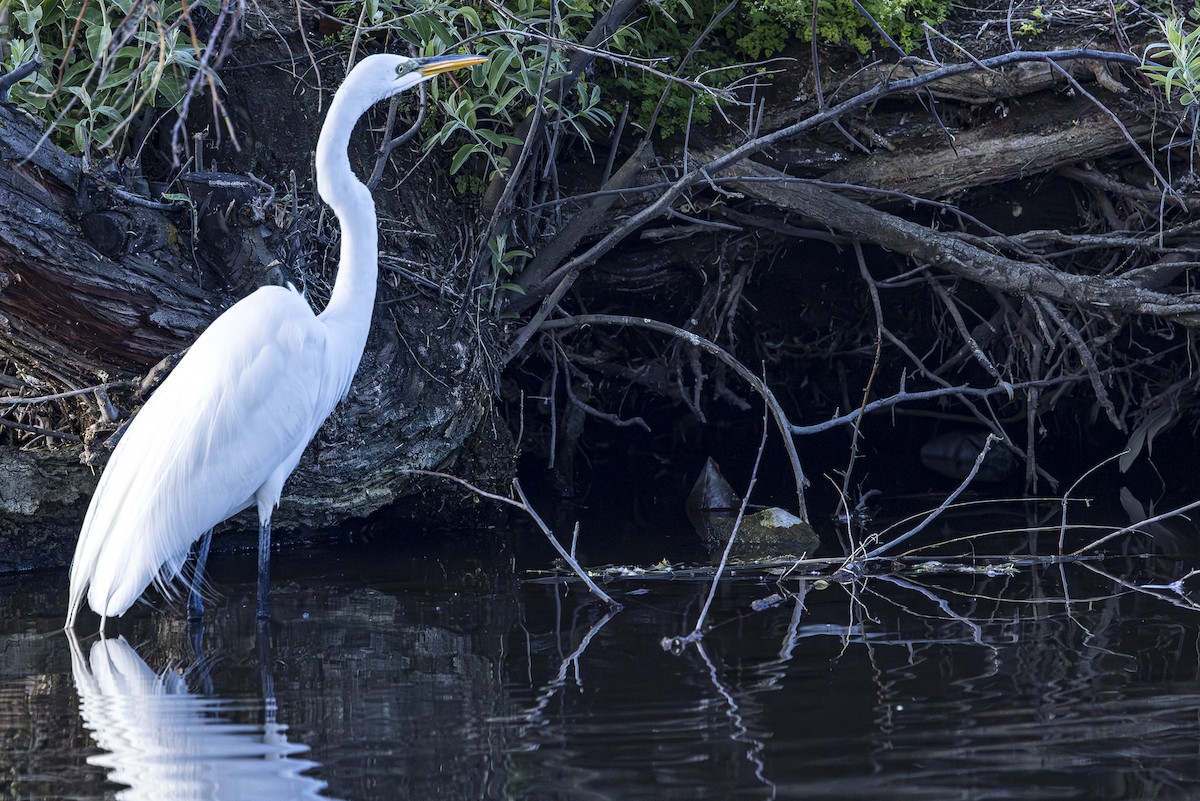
<point>165,742</point>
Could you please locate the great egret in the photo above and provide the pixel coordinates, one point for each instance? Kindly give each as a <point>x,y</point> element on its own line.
<point>228,425</point>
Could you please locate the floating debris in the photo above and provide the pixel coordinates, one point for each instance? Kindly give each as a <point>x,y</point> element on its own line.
<point>772,600</point>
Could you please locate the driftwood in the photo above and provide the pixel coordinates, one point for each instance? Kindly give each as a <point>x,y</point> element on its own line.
<point>1027,142</point>
<point>956,254</point>
<point>898,157</point>
<point>70,309</point>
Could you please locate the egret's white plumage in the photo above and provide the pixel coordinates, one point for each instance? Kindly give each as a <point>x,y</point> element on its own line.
<point>228,425</point>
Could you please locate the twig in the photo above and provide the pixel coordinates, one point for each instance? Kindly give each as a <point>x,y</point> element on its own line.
<point>697,341</point>
<point>37,430</point>
<point>15,401</point>
<point>873,290</point>
<point>1089,361</point>
<point>1175,587</point>
<point>1133,527</point>
<point>1062,530</point>
<point>615,420</point>
<point>1133,144</point>
<point>963,331</point>
<point>906,59</point>
<point>683,62</point>
<point>524,506</point>
<point>987,446</point>
<point>904,396</point>
<point>570,560</point>
<point>697,633</point>
<point>623,61</point>
<point>390,143</point>
<point>11,79</point>
<point>220,43</point>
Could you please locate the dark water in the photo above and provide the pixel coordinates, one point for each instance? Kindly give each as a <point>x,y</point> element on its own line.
<point>436,670</point>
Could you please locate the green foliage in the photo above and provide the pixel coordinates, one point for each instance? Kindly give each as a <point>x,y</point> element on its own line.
<point>756,30</point>
<point>504,266</point>
<point>481,114</point>
<point>104,61</point>
<point>1180,66</point>
<point>1033,26</point>
<point>766,25</point>
<point>487,107</point>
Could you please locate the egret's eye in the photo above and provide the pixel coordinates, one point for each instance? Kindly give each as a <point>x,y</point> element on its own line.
<point>405,68</point>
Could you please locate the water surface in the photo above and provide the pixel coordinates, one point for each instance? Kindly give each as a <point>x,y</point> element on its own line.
<point>433,668</point>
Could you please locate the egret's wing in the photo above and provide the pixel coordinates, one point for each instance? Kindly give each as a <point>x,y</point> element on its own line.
<point>240,407</point>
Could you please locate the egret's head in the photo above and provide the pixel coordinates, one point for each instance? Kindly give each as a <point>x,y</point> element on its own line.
<point>382,75</point>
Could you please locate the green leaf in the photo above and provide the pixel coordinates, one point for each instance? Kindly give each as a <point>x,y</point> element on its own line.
<point>497,140</point>
<point>98,37</point>
<point>498,68</point>
<point>505,99</point>
<point>461,156</point>
<point>472,16</point>
<point>119,78</point>
<point>496,246</point>
<point>80,92</point>
<point>110,113</point>
<point>29,19</point>
<point>178,197</point>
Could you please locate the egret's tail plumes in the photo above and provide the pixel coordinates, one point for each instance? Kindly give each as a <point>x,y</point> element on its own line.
<point>130,537</point>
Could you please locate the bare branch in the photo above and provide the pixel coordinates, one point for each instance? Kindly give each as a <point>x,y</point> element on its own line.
<point>714,166</point>
<point>726,358</point>
<point>523,505</point>
<point>11,79</point>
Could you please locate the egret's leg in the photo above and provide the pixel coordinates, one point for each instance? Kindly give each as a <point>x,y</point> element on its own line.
<point>264,565</point>
<point>195,600</point>
<point>267,677</point>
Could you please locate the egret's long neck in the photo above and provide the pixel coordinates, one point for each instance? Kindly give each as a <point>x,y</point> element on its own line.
<point>353,296</point>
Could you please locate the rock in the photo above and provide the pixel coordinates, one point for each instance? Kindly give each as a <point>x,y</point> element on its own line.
<point>767,535</point>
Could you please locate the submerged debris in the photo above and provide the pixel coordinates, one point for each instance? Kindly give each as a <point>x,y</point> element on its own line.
<point>934,566</point>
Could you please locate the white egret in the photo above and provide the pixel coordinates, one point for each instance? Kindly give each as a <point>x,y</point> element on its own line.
<point>228,425</point>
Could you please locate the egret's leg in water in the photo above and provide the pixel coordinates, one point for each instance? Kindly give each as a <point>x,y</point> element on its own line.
<point>195,599</point>
<point>264,569</point>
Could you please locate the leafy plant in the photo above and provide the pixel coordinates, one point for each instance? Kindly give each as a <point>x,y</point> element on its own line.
<point>756,30</point>
<point>1180,68</point>
<point>104,62</point>
<point>487,108</point>
<point>504,266</point>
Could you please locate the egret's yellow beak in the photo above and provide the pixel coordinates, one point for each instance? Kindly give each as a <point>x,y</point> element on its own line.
<point>436,64</point>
